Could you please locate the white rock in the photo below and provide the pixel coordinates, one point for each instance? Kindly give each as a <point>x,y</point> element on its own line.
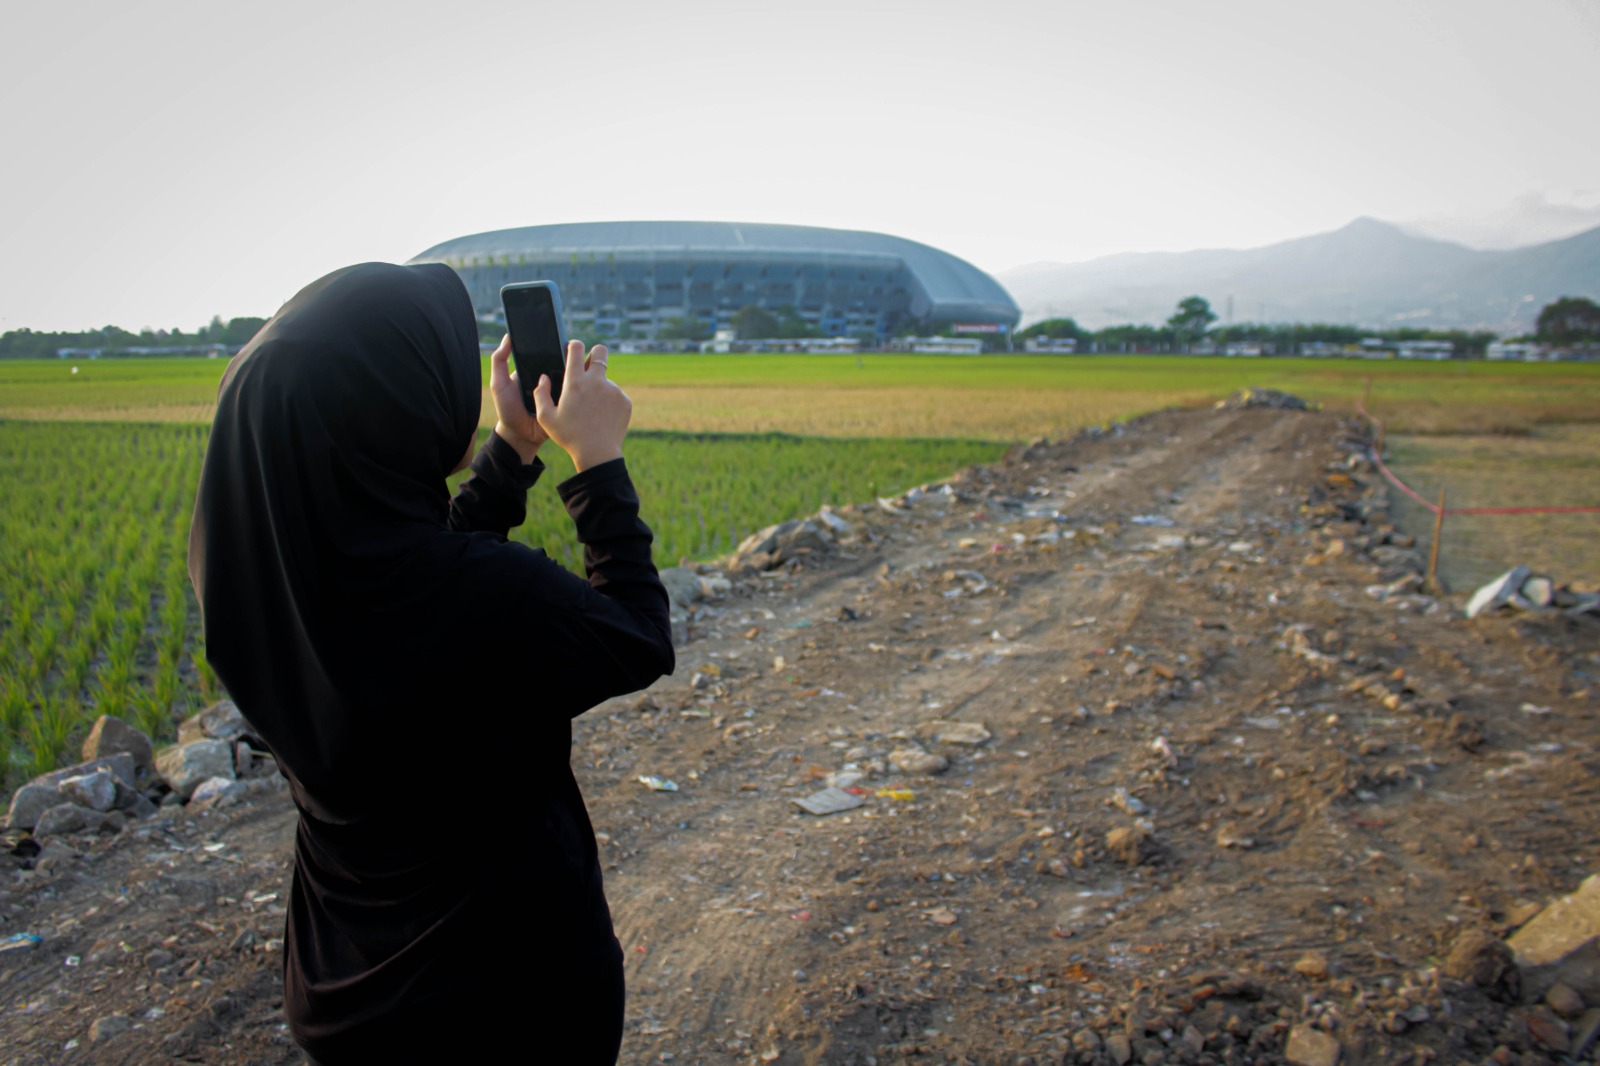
<point>1498,592</point>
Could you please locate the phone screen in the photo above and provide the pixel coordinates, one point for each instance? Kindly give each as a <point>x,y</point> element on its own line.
<point>536,348</point>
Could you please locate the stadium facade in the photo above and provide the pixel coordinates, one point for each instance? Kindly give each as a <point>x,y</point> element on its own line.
<point>637,279</point>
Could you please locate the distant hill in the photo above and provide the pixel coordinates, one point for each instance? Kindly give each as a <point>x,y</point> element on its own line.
<point>1367,273</point>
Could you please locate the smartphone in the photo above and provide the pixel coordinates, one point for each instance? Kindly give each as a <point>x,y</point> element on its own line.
<point>538,336</point>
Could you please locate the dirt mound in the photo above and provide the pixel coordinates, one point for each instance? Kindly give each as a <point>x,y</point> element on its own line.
<point>1159,755</point>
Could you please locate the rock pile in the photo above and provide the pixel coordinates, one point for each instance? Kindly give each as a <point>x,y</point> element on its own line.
<point>122,776</point>
<point>1524,590</point>
<point>1259,397</point>
<point>797,537</point>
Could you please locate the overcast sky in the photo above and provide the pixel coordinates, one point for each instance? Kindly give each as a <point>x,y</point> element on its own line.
<point>164,162</point>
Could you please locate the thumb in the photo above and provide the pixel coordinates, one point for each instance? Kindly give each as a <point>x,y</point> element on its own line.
<point>543,405</point>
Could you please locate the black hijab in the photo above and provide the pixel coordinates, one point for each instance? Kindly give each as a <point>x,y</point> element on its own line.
<point>333,598</point>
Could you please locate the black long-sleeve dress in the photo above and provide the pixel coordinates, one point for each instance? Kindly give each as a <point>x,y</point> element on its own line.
<point>515,924</point>
<point>416,674</point>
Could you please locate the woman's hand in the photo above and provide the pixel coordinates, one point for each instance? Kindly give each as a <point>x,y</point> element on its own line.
<point>592,417</point>
<point>516,425</point>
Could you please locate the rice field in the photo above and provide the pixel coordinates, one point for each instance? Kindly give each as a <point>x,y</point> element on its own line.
<point>96,613</point>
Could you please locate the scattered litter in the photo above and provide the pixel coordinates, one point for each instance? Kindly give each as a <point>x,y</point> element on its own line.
<point>829,801</point>
<point>20,942</point>
<point>904,795</point>
<point>657,784</point>
<point>1152,520</point>
<point>1530,708</point>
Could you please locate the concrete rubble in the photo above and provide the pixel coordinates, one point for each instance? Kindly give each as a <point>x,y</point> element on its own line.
<point>123,778</point>
<point>1520,588</point>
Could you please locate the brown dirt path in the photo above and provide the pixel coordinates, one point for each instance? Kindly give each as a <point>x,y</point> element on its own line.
<point>1298,767</point>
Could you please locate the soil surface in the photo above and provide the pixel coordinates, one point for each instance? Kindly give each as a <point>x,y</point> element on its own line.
<point>1224,799</point>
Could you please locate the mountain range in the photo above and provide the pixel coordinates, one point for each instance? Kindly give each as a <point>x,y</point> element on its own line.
<point>1369,273</point>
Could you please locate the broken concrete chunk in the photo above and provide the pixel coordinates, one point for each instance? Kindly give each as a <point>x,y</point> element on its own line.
<point>970,733</point>
<point>1562,945</point>
<point>185,766</point>
<point>1498,593</point>
<point>916,761</point>
<point>1539,591</point>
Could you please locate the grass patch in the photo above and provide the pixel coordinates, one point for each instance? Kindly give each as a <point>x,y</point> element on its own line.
<point>1000,398</point>
<point>1551,466</point>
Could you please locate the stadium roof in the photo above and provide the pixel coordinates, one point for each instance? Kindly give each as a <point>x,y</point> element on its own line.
<point>953,286</point>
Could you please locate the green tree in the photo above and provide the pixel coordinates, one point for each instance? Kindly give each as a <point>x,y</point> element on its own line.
<point>752,323</point>
<point>1055,329</point>
<point>684,329</point>
<point>1192,319</point>
<point>1569,320</point>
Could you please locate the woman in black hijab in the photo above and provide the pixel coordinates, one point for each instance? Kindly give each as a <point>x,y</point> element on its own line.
<point>415,673</point>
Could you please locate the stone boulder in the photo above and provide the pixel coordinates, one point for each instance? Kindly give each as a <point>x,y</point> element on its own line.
<point>71,818</point>
<point>184,766</point>
<point>778,544</point>
<point>29,802</point>
<point>1482,959</point>
<point>96,791</point>
<point>220,721</point>
<point>683,585</point>
<point>111,735</point>
<point>1562,945</point>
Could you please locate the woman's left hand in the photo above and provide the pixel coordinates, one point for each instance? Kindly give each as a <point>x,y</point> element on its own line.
<point>516,425</point>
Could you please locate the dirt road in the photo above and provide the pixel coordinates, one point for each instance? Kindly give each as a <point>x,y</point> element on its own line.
<point>1202,795</point>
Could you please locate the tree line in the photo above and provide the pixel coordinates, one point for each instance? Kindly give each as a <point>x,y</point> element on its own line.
<point>109,340</point>
<point>1571,320</point>
<point>1567,322</point>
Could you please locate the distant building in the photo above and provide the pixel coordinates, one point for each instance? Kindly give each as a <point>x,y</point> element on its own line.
<point>1425,349</point>
<point>937,345</point>
<point>1519,350</point>
<point>1248,348</point>
<point>632,280</point>
<point>725,341</point>
<point>1055,345</point>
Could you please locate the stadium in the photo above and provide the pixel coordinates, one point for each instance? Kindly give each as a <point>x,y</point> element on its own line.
<point>651,280</point>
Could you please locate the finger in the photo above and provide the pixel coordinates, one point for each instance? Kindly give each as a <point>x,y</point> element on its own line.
<point>598,357</point>
<point>574,362</point>
<point>543,406</point>
<point>500,357</point>
<point>498,361</point>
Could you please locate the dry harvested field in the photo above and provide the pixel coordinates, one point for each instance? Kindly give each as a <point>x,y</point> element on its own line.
<point>1216,801</point>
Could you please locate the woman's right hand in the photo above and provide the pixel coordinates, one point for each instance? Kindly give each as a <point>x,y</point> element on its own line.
<point>592,417</point>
